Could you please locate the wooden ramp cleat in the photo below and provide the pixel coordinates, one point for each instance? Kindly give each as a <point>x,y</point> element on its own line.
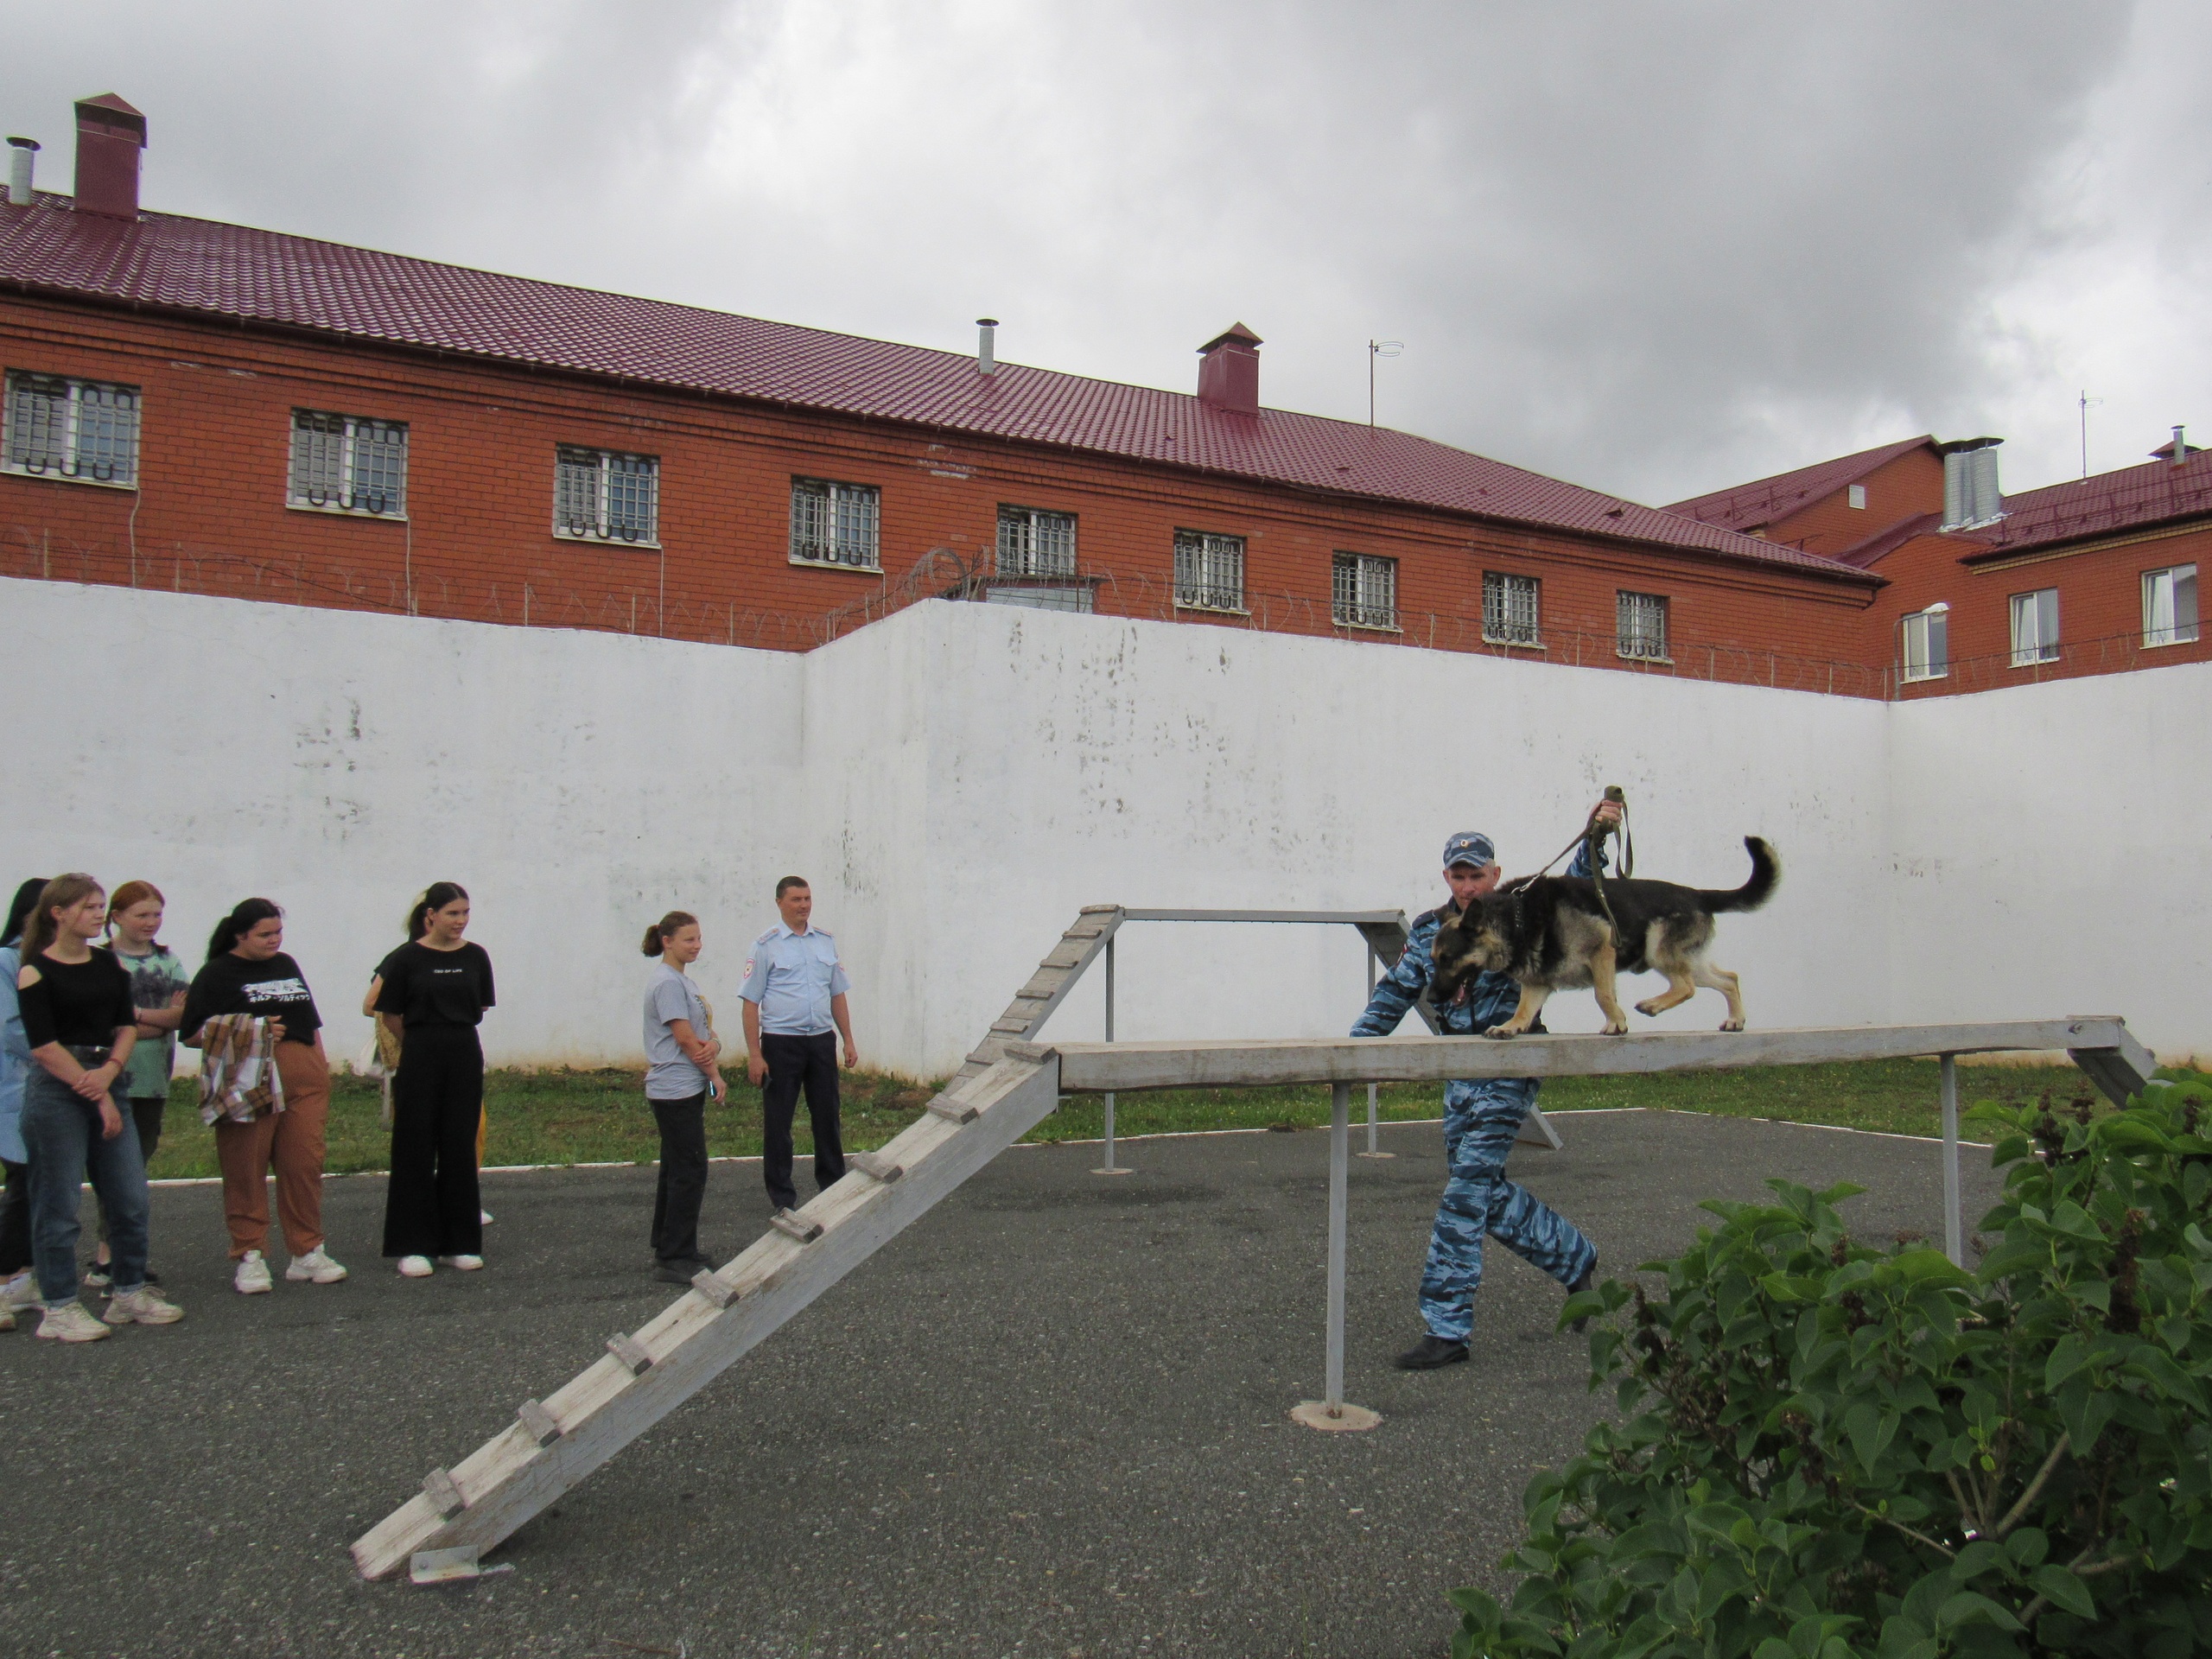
<point>875,1166</point>
<point>537,1423</point>
<point>792,1225</point>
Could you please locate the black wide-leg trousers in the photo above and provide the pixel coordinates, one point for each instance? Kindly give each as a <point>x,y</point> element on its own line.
<point>431,1208</point>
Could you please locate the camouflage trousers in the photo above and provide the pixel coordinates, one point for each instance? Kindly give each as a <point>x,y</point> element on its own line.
<point>1481,1119</point>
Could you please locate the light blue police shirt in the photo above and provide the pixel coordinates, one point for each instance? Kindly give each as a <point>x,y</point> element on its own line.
<point>792,976</point>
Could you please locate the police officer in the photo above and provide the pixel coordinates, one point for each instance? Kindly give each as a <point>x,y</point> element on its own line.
<point>1482,1118</point>
<point>793,996</point>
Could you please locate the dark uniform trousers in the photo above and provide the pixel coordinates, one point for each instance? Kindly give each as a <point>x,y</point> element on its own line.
<point>794,1062</point>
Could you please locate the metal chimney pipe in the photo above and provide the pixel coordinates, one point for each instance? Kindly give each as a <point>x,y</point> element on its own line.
<point>2181,449</point>
<point>987,356</point>
<point>19,170</point>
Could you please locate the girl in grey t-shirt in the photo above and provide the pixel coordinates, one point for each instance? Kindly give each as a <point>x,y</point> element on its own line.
<point>681,1071</point>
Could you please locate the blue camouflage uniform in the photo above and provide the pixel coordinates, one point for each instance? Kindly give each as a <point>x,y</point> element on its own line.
<point>1482,1118</point>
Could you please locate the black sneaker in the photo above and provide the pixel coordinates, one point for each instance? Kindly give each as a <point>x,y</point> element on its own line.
<point>1431,1353</point>
<point>674,1272</point>
<point>1587,1281</point>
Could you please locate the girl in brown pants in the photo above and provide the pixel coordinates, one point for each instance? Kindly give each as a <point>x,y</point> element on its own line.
<point>248,972</point>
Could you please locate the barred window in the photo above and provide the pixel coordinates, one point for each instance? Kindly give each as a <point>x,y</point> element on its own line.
<point>2035,627</point>
<point>1642,626</point>
<point>2170,605</point>
<point>1509,610</point>
<point>1927,643</point>
<point>1032,542</point>
<point>1364,591</point>
<point>1208,571</point>
<point>82,429</point>
<point>599,495</point>
<point>836,523</point>
<point>349,464</point>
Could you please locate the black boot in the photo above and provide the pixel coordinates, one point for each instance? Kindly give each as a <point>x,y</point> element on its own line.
<point>1431,1353</point>
<point>1587,1281</point>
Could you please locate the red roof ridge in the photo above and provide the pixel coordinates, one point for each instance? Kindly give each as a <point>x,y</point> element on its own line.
<point>178,263</point>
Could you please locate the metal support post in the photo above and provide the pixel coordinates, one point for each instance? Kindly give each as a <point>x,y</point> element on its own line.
<point>1331,1412</point>
<point>1111,1168</point>
<point>1955,1245</point>
<point>1371,1151</point>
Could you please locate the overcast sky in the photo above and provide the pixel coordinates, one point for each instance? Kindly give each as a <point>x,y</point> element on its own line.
<point>1656,248</point>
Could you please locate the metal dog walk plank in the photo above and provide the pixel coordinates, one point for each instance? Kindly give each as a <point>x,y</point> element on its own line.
<point>516,1474</point>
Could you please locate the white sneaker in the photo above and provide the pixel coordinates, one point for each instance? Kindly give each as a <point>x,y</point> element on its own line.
<point>72,1322</point>
<point>414,1267</point>
<point>461,1263</point>
<point>252,1277</point>
<point>483,1218</point>
<point>145,1305</point>
<point>20,1293</point>
<point>316,1266</point>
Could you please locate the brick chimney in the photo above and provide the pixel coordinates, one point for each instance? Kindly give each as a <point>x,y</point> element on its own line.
<point>1229,371</point>
<point>111,138</point>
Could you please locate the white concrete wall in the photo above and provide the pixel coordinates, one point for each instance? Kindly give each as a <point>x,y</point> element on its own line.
<point>957,780</point>
<point>2052,845</point>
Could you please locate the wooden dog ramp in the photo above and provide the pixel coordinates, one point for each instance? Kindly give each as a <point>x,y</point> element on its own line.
<point>644,1375</point>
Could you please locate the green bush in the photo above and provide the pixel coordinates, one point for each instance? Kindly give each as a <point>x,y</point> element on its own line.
<point>1830,1450</point>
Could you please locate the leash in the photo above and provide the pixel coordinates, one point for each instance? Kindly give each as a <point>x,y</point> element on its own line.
<point>1592,835</point>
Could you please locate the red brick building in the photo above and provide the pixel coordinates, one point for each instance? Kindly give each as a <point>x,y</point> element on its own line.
<point>1983,589</point>
<point>212,408</point>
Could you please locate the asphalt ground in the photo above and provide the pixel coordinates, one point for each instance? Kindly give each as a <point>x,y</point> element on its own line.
<point>1049,1419</point>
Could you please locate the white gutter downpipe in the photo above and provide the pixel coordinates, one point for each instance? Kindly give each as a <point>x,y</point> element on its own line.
<point>20,165</point>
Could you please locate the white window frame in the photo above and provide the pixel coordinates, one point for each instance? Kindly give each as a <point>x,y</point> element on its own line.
<point>1363,592</point>
<point>836,526</point>
<point>1856,495</point>
<point>1635,636</point>
<point>349,446</point>
<point>586,483</point>
<point>61,454</point>
<point>2035,627</point>
<point>1512,609</point>
<point>2170,607</point>
<point>1035,542</point>
<point>1924,644</point>
<point>1210,572</point>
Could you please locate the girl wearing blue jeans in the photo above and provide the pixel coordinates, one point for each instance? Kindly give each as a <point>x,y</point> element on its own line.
<point>81,1025</point>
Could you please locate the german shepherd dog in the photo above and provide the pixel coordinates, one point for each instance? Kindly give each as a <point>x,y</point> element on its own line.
<point>1552,935</point>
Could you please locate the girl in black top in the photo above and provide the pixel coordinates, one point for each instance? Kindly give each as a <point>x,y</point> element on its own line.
<point>81,1025</point>
<point>248,973</point>
<point>432,991</point>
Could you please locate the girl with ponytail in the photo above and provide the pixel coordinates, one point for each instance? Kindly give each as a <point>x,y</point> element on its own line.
<point>681,1074</point>
<point>430,994</point>
<point>248,973</point>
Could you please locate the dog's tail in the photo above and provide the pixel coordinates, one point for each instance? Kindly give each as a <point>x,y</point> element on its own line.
<point>1766,872</point>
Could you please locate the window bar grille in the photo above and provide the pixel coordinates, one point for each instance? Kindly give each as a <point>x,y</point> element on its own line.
<point>1365,591</point>
<point>1208,571</point>
<point>72,428</point>
<point>1034,543</point>
<point>603,496</point>
<point>1642,626</point>
<point>836,523</point>
<point>1510,609</point>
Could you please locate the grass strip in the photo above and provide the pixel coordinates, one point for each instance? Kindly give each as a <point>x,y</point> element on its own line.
<point>601,1117</point>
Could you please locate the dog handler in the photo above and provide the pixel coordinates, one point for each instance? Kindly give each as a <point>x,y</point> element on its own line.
<point>1482,1118</point>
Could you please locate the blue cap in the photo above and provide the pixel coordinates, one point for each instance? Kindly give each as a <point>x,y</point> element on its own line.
<point>1470,847</point>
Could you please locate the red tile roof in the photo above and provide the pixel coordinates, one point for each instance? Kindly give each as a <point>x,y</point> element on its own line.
<point>231,270</point>
<point>1763,501</point>
<point>2134,498</point>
